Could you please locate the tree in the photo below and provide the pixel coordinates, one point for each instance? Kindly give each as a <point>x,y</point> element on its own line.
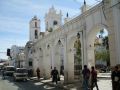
<point>105,42</point>
<point>103,55</point>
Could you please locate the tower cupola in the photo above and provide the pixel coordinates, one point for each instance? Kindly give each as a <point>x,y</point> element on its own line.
<point>52,19</point>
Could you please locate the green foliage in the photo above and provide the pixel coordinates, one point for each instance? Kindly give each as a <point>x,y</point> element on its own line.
<point>103,55</point>
<point>105,42</point>
<point>77,46</point>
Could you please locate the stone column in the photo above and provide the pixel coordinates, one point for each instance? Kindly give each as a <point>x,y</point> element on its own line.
<point>113,19</point>
<point>41,62</point>
<point>68,63</point>
<point>91,56</point>
<point>84,45</point>
<point>52,55</point>
<point>116,21</point>
<point>46,63</point>
<point>65,61</point>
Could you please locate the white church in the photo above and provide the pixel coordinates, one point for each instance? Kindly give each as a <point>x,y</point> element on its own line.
<point>69,46</point>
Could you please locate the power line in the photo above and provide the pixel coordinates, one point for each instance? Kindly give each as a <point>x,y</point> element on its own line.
<point>115,5</point>
<point>98,0</point>
<point>3,52</point>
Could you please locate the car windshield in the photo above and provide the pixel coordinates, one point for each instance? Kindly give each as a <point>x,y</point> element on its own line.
<point>21,71</point>
<point>10,69</point>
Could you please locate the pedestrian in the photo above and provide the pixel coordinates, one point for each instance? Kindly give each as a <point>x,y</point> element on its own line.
<point>54,75</point>
<point>86,76</point>
<point>29,73</point>
<point>38,73</point>
<point>115,76</point>
<point>94,78</point>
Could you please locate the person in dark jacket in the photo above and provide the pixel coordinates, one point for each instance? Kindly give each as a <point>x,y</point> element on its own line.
<point>86,76</point>
<point>54,75</point>
<point>115,76</point>
<point>94,78</point>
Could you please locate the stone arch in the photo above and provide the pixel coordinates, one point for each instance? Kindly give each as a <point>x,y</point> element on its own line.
<point>56,42</point>
<point>91,35</point>
<point>77,59</point>
<point>58,59</point>
<point>71,57</point>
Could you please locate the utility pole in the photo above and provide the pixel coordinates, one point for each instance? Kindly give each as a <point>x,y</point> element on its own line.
<point>3,52</point>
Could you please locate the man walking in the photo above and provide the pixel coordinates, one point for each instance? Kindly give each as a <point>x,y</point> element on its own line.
<point>86,75</point>
<point>93,78</point>
<point>54,75</point>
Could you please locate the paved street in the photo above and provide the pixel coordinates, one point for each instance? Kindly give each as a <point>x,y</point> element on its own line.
<point>9,84</point>
<point>104,81</point>
<point>104,84</point>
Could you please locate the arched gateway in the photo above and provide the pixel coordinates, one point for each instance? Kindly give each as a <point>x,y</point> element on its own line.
<point>104,15</point>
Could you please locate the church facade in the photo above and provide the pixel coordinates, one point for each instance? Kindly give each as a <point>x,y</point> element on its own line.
<point>70,46</point>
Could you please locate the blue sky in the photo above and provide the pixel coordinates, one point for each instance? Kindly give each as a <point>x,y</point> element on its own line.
<point>16,14</point>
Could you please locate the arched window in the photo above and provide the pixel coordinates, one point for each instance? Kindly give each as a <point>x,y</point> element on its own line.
<point>77,59</point>
<point>30,63</point>
<point>36,34</point>
<point>35,24</point>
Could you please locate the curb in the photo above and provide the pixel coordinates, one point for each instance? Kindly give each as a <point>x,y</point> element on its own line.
<point>103,77</point>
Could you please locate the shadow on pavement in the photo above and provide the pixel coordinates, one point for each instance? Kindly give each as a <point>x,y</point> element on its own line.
<point>30,84</point>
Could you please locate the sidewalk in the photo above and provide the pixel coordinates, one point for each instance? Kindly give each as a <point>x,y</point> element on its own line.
<point>72,86</point>
<point>104,75</point>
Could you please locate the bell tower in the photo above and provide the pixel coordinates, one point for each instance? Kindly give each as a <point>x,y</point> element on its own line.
<point>52,19</point>
<point>34,29</point>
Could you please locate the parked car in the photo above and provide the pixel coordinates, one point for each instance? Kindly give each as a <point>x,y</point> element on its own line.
<point>20,74</point>
<point>9,70</point>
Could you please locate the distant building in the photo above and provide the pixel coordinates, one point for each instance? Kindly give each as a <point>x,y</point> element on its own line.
<point>17,56</point>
